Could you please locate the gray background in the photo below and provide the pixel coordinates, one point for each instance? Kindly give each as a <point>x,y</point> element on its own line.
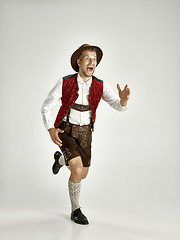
<point>132,190</point>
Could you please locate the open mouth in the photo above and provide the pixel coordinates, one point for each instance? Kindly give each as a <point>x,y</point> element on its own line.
<point>90,69</point>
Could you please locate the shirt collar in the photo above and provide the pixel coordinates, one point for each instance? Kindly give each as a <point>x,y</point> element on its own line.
<point>80,80</point>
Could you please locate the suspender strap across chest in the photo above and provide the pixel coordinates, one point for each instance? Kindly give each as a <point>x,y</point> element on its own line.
<point>78,107</point>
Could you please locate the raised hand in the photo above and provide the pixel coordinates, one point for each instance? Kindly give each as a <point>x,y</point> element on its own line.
<point>123,94</point>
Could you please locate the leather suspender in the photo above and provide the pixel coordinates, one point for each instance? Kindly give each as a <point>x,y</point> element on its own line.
<point>78,107</point>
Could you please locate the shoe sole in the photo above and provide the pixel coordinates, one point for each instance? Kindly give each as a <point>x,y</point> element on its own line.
<point>57,155</point>
<point>56,172</point>
<point>81,223</point>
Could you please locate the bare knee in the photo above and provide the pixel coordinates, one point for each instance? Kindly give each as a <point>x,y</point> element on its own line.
<point>77,172</point>
<point>76,168</point>
<point>83,177</point>
<point>85,172</point>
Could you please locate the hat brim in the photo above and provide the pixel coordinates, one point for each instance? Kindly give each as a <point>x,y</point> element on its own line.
<point>78,52</point>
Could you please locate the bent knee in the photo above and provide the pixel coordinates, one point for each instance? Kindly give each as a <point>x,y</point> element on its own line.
<point>84,176</point>
<point>85,172</point>
<point>77,172</point>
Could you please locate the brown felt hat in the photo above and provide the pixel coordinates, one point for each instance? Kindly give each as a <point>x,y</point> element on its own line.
<point>78,52</point>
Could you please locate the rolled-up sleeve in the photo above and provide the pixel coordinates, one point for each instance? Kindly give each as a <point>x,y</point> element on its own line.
<point>112,98</point>
<point>50,103</point>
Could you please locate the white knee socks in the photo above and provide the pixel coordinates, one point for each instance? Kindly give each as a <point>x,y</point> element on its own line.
<point>74,192</point>
<point>62,161</point>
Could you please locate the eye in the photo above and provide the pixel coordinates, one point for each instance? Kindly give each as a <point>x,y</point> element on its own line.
<point>86,58</point>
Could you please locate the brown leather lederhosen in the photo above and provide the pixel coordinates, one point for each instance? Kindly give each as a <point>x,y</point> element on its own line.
<point>76,139</point>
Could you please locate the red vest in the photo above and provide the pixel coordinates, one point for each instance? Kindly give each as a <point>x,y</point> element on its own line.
<point>70,94</point>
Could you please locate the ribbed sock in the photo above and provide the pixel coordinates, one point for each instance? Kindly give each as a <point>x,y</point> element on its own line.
<point>74,192</point>
<point>62,160</point>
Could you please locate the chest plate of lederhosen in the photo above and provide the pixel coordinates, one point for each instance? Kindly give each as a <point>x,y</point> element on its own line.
<point>78,107</point>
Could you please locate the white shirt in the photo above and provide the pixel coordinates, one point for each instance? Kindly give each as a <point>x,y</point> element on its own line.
<point>77,117</point>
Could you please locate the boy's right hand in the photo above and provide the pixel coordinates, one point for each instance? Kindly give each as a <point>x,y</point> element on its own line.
<point>54,135</point>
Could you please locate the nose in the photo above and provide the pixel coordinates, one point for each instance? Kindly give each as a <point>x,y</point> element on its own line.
<point>92,61</point>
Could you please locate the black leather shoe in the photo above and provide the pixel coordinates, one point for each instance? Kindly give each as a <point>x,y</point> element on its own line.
<point>78,217</point>
<point>56,166</point>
